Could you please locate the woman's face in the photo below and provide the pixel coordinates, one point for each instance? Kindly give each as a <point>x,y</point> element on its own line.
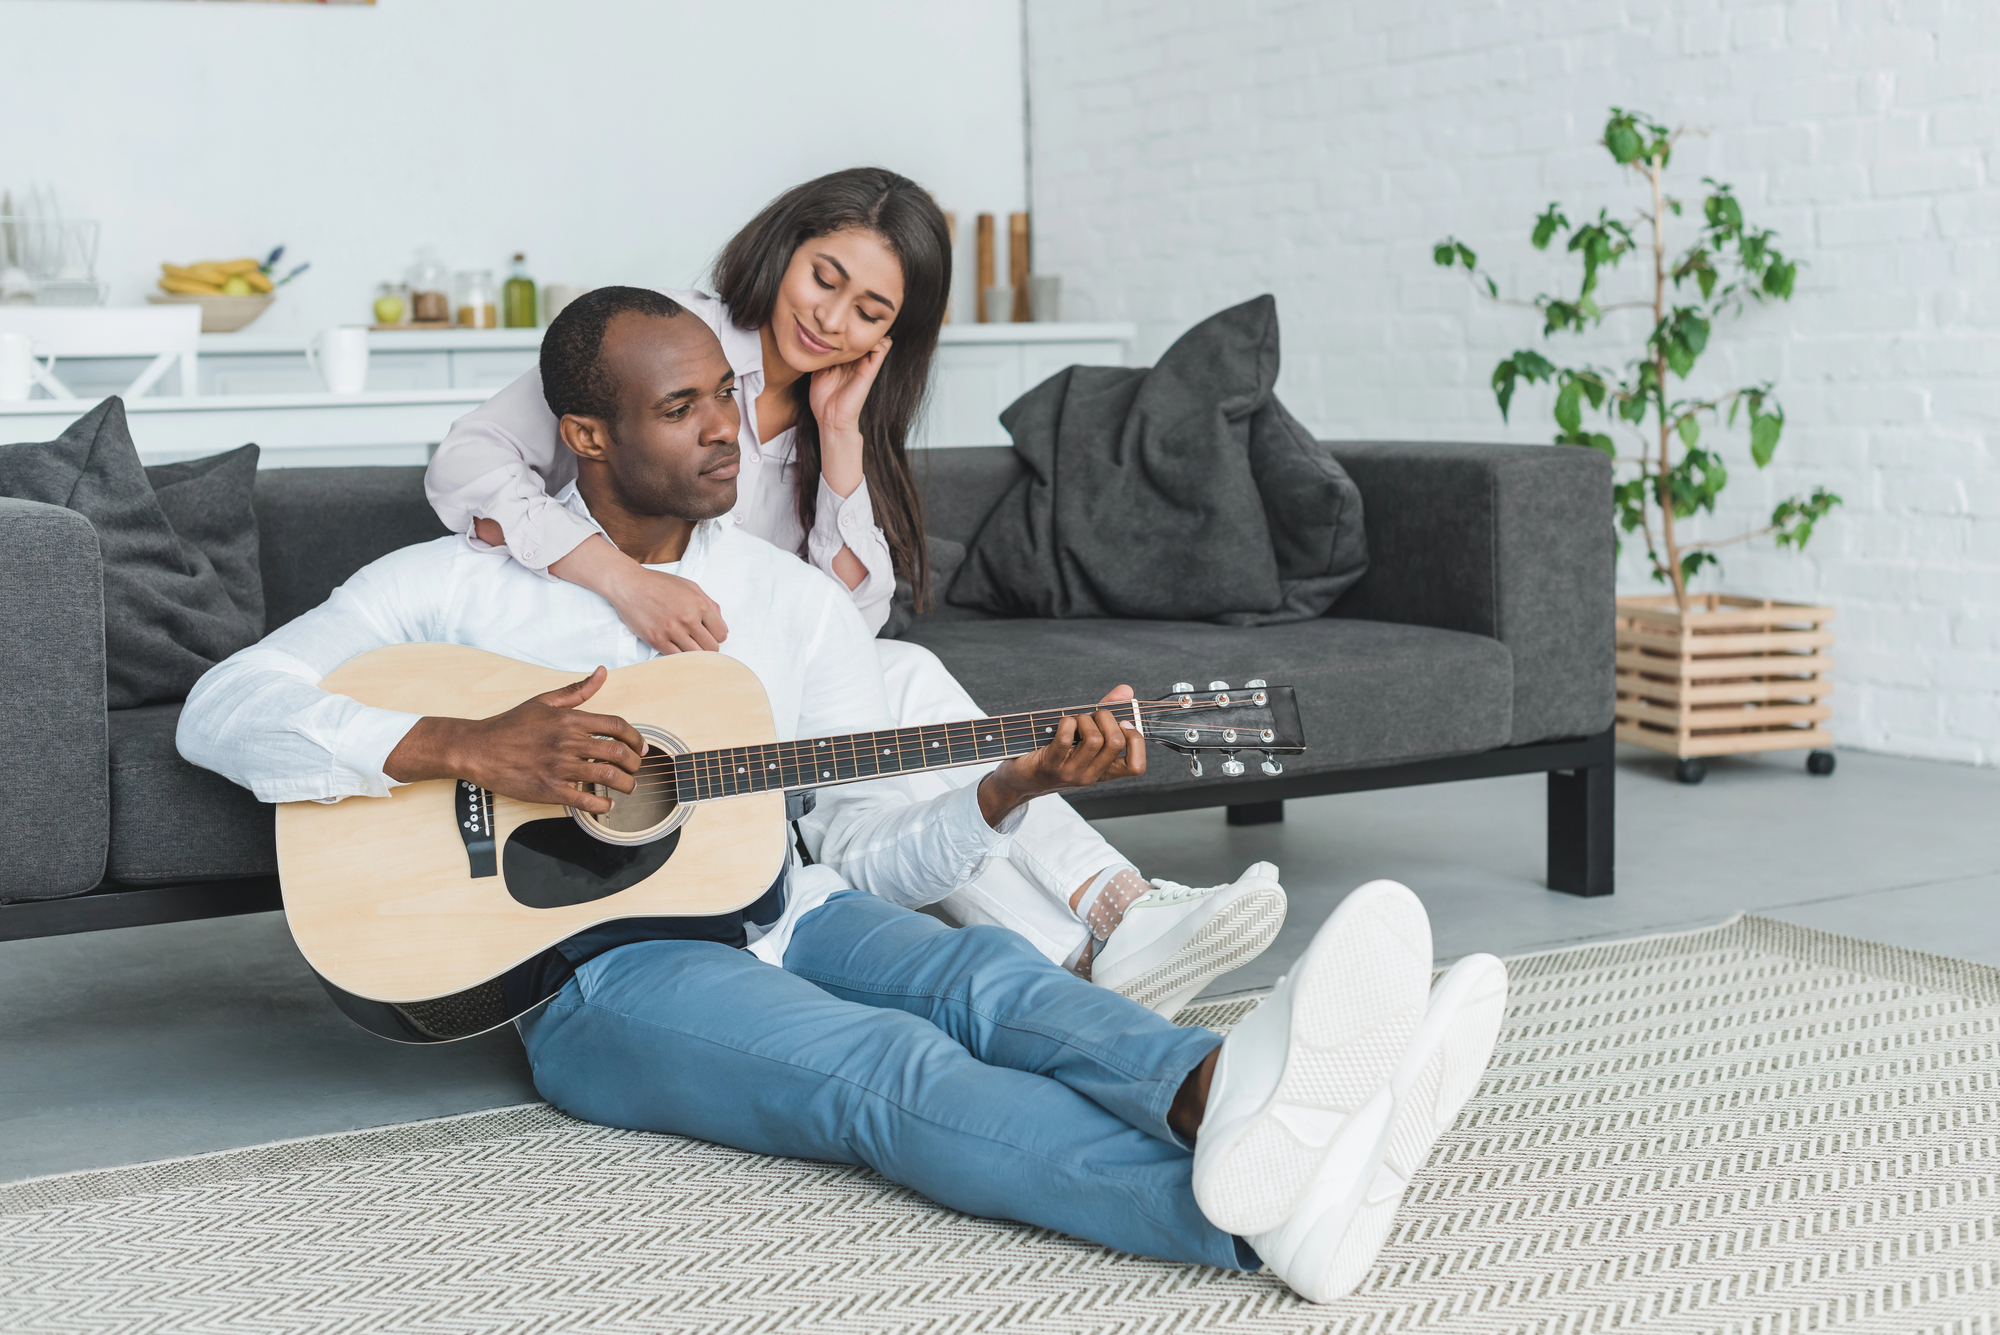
<point>840,294</point>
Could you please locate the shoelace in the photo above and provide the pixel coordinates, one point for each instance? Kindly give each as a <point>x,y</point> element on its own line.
<point>1172,892</point>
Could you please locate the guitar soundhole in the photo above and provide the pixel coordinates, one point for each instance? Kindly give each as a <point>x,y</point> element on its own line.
<point>637,812</point>
<point>651,810</point>
<point>549,864</point>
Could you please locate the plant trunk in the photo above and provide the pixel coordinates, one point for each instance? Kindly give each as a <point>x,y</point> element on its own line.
<point>1664,492</point>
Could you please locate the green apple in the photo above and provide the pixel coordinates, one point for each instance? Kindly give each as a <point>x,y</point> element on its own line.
<point>237,286</point>
<point>388,310</point>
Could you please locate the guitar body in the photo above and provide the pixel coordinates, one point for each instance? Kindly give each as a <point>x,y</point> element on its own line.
<point>381,892</point>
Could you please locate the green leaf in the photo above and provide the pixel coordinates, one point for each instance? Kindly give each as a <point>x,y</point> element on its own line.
<point>1466,257</point>
<point>1778,280</point>
<point>1705,277</point>
<point>1504,376</point>
<point>1569,407</point>
<point>1623,140</point>
<point>1694,332</point>
<point>1764,429</point>
<point>1680,358</point>
<point>1547,225</point>
<point>1533,365</point>
<point>1602,443</point>
<point>1444,253</point>
<point>1794,519</point>
<point>1593,389</point>
<point>1689,429</point>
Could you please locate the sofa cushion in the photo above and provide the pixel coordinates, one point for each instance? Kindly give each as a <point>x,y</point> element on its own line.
<point>320,525</point>
<point>172,821</point>
<point>170,612</point>
<point>1180,492</point>
<point>1370,692</point>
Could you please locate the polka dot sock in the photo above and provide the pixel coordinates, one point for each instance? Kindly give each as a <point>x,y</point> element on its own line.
<point>1101,907</point>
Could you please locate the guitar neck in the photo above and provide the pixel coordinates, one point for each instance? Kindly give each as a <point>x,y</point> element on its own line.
<point>820,762</point>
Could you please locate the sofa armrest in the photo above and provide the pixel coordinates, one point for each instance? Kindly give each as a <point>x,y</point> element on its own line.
<point>57,827</point>
<point>1510,541</point>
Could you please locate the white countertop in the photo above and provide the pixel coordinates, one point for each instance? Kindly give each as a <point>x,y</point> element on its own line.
<point>513,340</point>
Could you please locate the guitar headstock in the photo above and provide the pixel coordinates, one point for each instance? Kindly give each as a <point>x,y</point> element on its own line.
<point>1218,717</point>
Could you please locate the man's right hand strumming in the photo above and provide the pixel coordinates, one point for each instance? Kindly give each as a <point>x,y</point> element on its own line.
<point>538,751</point>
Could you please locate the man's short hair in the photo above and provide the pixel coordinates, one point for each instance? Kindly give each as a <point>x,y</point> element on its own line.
<point>574,378</point>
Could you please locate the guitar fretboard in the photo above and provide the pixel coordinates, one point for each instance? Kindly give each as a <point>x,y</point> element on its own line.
<point>818,761</point>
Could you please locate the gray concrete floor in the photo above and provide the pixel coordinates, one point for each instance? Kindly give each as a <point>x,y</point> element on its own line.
<point>151,1042</point>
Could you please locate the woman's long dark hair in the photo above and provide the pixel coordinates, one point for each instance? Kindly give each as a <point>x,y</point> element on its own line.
<point>747,276</point>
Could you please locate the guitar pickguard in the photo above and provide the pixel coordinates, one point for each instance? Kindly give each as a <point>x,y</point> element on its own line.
<point>550,864</point>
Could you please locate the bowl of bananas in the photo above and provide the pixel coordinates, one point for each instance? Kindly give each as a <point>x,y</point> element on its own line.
<point>231,293</point>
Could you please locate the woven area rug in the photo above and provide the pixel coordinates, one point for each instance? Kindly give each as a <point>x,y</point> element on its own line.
<point>1754,1128</point>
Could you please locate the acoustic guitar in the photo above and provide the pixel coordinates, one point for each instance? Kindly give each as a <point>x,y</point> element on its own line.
<point>412,907</point>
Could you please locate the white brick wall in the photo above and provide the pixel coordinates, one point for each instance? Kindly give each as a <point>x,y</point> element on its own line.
<point>1190,155</point>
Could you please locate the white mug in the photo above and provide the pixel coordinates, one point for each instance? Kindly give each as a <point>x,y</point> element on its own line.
<point>19,370</point>
<point>340,355</point>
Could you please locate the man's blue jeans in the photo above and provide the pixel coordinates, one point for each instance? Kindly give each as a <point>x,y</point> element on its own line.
<point>960,1063</point>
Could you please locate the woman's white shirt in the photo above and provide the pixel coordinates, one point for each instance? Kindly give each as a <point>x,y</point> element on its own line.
<point>504,461</point>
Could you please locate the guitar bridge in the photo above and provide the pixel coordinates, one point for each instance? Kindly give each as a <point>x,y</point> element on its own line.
<point>475,827</point>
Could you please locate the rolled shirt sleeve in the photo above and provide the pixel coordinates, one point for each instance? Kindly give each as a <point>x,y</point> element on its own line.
<point>849,521</point>
<point>260,719</point>
<point>503,461</point>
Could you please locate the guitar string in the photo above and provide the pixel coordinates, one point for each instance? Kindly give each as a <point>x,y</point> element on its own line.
<point>707,771</point>
<point>914,732</point>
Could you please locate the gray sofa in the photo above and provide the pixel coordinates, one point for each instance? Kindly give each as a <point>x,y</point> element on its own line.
<point>1479,643</point>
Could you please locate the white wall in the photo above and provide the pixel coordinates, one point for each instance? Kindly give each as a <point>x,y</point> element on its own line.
<point>612,140</point>
<point>1189,155</point>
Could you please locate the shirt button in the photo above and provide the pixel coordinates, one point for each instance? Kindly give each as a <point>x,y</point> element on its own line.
<point>739,519</point>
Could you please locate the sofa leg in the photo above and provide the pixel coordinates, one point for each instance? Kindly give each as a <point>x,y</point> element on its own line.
<point>1257,813</point>
<point>1580,830</point>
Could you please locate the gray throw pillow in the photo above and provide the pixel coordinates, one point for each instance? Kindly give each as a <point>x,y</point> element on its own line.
<point>946,557</point>
<point>175,603</point>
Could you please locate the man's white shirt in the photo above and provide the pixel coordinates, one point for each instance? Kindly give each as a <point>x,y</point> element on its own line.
<point>260,718</point>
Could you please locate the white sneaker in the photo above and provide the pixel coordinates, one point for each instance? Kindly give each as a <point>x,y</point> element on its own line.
<point>1177,939</point>
<point>1300,1101</point>
<point>1331,1241</point>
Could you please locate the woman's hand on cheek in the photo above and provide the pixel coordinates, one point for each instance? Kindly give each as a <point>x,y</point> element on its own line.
<point>670,613</point>
<point>839,391</point>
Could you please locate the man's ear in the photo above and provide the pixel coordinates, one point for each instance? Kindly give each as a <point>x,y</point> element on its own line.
<point>587,437</point>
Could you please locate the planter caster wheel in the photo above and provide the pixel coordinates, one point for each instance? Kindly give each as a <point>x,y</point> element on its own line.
<point>1819,762</point>
<point>1690,771</point>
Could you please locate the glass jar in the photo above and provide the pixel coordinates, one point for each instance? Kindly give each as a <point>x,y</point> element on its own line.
<point>478,300</point>
<point>392,303</point>
<point>430,289</point>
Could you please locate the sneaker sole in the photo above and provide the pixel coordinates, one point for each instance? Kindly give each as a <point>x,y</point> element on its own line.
<point>1356,1007</point>
<point>1452,1051</point>
<point>1236,933</point>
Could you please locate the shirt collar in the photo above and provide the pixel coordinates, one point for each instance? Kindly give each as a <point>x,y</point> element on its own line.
<point>704,535</point>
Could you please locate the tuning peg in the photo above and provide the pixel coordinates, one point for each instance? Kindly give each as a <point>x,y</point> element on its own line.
<point>1254,683</point>
<point>1271,766</point>
<point>1194,766</point>
<point>1218,686</point>
<point>1180,688</point>
<point>1232,766</point>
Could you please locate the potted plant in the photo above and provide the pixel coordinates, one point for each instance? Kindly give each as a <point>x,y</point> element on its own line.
<point>1698,674</point>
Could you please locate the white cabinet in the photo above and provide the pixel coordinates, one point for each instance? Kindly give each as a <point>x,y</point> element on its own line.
<point>978,371</point>
<point>491,370</point>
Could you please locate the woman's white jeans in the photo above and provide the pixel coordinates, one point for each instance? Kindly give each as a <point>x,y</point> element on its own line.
<point>1053,851</point>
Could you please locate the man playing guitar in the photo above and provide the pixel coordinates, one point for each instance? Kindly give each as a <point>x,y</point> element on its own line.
<point>829,1020</point>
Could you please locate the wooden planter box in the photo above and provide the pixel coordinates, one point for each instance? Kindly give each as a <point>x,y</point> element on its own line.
<point>1733,675</point>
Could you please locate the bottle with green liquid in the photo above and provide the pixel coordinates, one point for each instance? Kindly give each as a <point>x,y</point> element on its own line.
<point>517,298</point>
